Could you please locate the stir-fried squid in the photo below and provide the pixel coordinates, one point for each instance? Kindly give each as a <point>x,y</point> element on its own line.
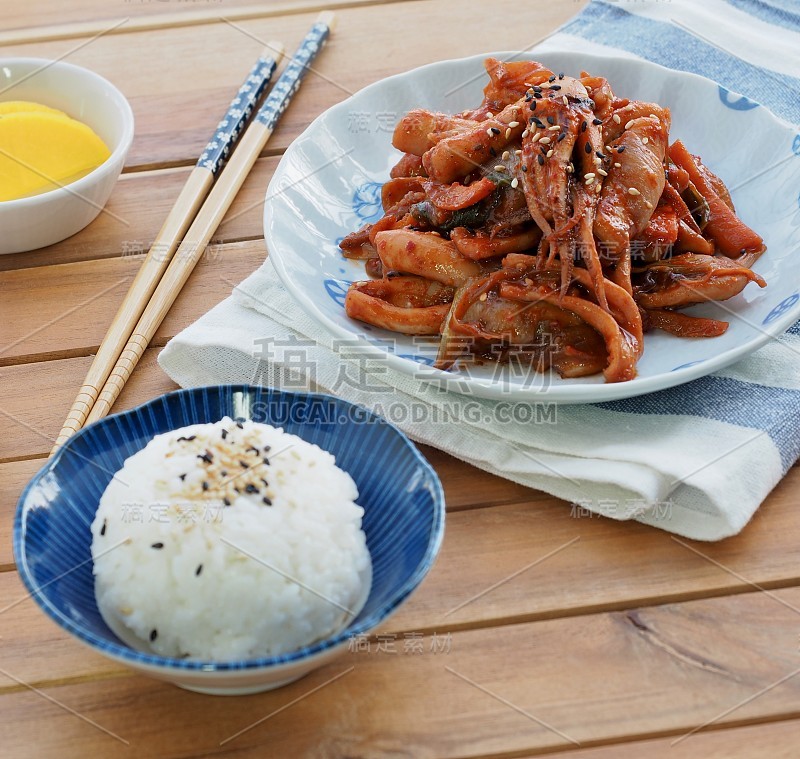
<point>552,225</point>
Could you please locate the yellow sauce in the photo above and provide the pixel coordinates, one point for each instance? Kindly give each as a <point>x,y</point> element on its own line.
<point>42,148</point>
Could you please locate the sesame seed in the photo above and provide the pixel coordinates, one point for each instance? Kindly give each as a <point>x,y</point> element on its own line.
<point>153,634</point>
<point>590,181</point>
<point>617,165</point>
<point>499,167</point>
<point>492,152</point>
<point>537,95</point>
<point>597,187</point>
<point>608,148</point>
<point>198,570</point>
<point>584,125</point>
<point>266,501</point>
<point>590,175</point>
<point>525,133</point>
<point>224,434</point>
<point>239,425</point>
<point>629,124</point>
<point>648,204</point>
<point>505,155</point>
<point>616,118</point>
<point>645,140</point>
<point>545,141</point>
<point>533,105</point>
<point>549,153</point>
<point>181,477</point>
<point>562,136</point>
<point>551,120</point>
<point>250,488</point>
<point>588,148</point>
<point>244,465</point>
<point>527,84</point>
<point>205,485</point>
<point>555,86</point>
<point>564,100</point>
<point>598,161</point>
<point>602,173</point>
<point>517,152</point>
<point>226,501</point>
<point>490,132</point>
<point>621,149</point>
<point>495,130</point>
<point>540,159</point>
<point>207,457</point>
<point>513,124</point>
<point>561,75</point>
<point>554,128</point>
<point>596,122</point>
<point>489,115</point>
<point>515,183</point>
<point>524,167</point>
<point>633,191</point>
<point>103,528</point>
<point>551,79</point>
<point>265,460</point>
<point>508,133</point>
<point>157,546</point>
<point>483,297</point>
<point>599,154</point>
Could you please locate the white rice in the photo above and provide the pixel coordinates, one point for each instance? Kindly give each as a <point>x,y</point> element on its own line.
<point>180,573</point>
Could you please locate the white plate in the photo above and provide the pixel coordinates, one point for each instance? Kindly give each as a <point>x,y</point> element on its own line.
<point>328,184</point>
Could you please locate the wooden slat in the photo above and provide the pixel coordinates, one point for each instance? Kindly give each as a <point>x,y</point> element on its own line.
<point>64,311</point>
<point>773,740</point>
<point>33,401</point>
<point>178,98</point>
<point>639,674</point>
<point>43,20</point>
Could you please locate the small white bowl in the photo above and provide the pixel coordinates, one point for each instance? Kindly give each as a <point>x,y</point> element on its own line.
<point>39,220</point>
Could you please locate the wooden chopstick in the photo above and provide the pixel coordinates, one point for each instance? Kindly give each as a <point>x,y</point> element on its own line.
<point>161,252</point>
<point>212,212</point>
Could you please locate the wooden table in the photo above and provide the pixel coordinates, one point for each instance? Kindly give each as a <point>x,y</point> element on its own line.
<point>586,637</point>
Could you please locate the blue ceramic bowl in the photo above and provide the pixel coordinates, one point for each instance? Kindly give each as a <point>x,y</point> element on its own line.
<point>399,491</point>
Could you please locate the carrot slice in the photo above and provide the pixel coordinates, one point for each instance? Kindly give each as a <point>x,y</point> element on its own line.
<point>454,197</point>
<point>731,235</point>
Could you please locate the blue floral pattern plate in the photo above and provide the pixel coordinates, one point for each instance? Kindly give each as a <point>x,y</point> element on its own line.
<point>328,184</point>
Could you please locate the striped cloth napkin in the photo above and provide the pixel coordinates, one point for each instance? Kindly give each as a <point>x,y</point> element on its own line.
<point>696,460</point>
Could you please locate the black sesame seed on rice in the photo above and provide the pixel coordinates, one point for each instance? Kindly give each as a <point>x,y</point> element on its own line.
<point>198,570</point>
<point>153,634</point>
<point>157,546</point>
<point>267,501</point>
<point>103,528</point>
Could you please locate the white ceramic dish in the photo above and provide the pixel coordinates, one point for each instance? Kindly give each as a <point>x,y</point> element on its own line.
<point>39,220</point>
<point>328,184</point>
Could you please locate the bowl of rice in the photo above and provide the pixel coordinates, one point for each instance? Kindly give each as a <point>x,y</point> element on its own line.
<point>229,539</point>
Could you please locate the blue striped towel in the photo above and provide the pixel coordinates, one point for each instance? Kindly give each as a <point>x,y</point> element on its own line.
<point>696,460</point>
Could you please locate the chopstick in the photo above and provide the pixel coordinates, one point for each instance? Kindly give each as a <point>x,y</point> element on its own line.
<point>212,211</point>
<point>163,248</point>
